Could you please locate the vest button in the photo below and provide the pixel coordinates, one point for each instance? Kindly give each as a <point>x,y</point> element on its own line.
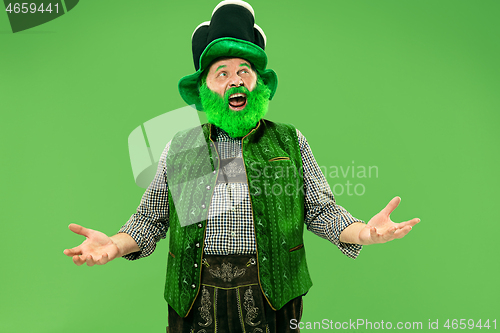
<point>200,225</point>
<point>197,244</point>
<point>203,206</point>
<point>195,265</point>
<point>208,187</point>
<point>193,286</point>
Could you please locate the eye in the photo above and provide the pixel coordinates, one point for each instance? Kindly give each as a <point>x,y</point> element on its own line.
<point>221,74</point>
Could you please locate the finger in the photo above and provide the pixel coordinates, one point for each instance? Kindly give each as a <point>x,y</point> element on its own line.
<point>103,260</point>
<point>89,260</point>
<point>400,233</point>
<point>73,252</point>
<point>389,234</point>
<point>78,260</point>
<point>391,206</point>
<point>374,235</point>
<point>78,229</point>
<point>410,223</point>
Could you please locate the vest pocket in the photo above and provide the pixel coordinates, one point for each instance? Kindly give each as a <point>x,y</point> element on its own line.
<point>298,247</point>
<point>280,158</point>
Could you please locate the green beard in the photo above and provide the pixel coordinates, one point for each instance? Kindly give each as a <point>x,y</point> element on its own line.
<point>235,123</point>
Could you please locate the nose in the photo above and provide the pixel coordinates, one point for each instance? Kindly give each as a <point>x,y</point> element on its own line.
<point>236,81</point>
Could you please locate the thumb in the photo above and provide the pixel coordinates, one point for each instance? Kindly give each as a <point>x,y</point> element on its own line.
<point>78,229</point>
<point>391,206</point>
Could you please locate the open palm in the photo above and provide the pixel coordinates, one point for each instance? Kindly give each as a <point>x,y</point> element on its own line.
<point>96,249</point>
<point>381,229</point>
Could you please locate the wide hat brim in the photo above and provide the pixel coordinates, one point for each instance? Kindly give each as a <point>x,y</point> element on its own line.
<point>227,47</point>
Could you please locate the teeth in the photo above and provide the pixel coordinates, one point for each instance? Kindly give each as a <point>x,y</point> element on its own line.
<point>237,95</point>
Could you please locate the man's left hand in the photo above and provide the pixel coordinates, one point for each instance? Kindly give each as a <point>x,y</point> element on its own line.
<point>380,228</point>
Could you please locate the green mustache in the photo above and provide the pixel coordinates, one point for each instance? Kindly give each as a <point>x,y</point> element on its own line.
<point>236,90</point>
<point>236,124</point>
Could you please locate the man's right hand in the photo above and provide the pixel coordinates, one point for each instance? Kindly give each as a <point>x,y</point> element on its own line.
<point>97,249</point>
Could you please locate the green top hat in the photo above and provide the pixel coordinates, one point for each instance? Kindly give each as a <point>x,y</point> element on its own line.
<point>231,32</point>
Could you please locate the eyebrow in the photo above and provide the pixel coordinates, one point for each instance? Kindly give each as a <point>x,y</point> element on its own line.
<point>245,64</point>
<point>221,66</point>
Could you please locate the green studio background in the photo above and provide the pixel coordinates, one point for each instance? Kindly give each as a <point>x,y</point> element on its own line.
<point>409,88</point>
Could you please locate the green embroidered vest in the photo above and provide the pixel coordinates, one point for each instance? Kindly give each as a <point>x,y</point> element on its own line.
<point>273,166</point>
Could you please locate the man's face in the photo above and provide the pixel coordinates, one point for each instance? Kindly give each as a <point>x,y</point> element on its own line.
<point>229,73</point>
<point>233,96</point>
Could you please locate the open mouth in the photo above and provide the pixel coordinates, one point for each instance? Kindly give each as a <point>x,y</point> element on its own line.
<point>237,101</point>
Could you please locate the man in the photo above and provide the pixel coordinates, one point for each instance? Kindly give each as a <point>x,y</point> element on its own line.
<point>235,194</point>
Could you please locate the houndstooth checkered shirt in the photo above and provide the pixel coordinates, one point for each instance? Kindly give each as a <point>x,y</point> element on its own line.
<point>230,228</point>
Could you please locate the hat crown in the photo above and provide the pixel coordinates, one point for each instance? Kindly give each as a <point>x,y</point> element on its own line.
<point>234,19</point>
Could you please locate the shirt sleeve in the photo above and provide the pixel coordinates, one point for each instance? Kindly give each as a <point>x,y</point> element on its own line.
<point>322,215</point>
<point>150,223</point>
